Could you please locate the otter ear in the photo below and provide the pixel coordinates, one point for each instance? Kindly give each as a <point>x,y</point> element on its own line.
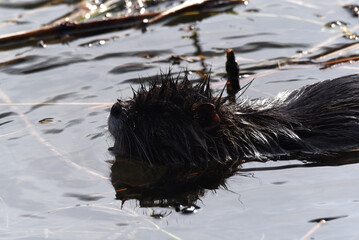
<point>207,116</point>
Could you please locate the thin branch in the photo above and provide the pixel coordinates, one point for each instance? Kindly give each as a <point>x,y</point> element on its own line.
<point>75,29</point>
<point>194,5</point>
<point>311,231</point>
<point>30,127</point>
<point>68,29</point>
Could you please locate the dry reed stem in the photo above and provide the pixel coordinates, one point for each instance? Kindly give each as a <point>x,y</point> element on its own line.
<point>315,228</point>
<point>43,141</point>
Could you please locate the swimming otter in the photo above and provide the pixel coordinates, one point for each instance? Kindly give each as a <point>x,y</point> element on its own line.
<point>178,124</point>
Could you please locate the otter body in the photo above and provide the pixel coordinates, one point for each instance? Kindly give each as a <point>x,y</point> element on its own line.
<point>176,123</point>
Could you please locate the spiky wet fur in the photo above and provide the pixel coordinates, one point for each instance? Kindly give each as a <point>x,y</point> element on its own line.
<point>159,125</point>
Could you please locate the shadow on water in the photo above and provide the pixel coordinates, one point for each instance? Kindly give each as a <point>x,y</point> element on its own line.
<point>161,186</point>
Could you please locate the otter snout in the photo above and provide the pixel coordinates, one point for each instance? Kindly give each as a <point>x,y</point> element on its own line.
<point>115,120</point>
<point>116,110</point>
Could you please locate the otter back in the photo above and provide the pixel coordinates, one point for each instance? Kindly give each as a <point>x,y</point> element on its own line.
<point>176,123</point>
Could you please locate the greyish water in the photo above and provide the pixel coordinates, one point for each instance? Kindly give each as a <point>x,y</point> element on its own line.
<point>55,173</point>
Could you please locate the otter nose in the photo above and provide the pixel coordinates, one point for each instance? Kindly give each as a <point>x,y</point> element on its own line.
<point>116,110</point>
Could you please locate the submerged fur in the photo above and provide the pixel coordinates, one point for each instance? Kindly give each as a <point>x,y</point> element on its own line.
<point>176,123</point>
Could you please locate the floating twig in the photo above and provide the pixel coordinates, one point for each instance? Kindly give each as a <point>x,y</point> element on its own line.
<point>194,5</point>
<point>315,228</point>
<point>68,29</point>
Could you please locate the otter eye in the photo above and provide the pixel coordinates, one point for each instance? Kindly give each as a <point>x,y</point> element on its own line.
<point>166,114</point>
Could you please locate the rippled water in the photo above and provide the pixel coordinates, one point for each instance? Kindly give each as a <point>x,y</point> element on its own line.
<point>55,163</point>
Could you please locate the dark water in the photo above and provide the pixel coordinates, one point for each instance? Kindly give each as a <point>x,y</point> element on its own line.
<point>55,173</point>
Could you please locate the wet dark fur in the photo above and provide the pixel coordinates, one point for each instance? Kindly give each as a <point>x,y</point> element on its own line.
<point>163,124</point>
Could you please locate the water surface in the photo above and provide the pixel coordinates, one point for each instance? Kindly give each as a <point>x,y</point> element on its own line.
<point>55,173</point>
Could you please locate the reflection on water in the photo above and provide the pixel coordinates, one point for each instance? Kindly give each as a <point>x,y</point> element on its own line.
<point>258,46</point>
<point>55,182</point>
<point>164,186</point>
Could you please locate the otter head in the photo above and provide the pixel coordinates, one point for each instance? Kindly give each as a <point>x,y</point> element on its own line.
<point>173,123</point>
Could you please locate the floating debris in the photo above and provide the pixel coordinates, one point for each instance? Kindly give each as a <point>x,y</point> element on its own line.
<point>326,219</point>
<point>66,29</point>
<point>161,214</point>
<point>335,24</point>
<point>186,209</point>
<point>46,120</point>
<point>354,9</point>
<point>351,36</point>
